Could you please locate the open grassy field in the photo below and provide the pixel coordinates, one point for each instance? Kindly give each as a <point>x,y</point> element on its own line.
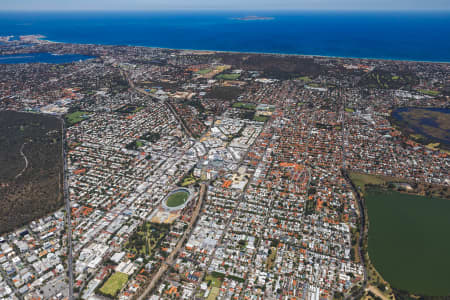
<point>129,109</point>
<point>189,180</point>
<point>304,78</point>
<point>429,92</point>
<point>260,118</point>
<point>244,105</point>
<point>114,284</point>
<point>76,117</point>
<point>232,76</point>
<point>360,180</point>
<point>203,71</point>
<point>215,280</point>
<point>213,294</point>
<point>271,259</point>
<point>177,199</point>
<point>408,240</point>
<point>134,145</point>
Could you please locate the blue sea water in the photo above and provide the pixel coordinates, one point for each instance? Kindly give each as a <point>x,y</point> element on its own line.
<point>41,58</point>
<point>387,35</point>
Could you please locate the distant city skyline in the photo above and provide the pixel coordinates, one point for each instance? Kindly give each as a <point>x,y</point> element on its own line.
<point>130,5</point>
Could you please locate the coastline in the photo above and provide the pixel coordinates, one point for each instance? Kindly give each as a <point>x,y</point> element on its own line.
<point>262,52</point>
<point>388,36</point>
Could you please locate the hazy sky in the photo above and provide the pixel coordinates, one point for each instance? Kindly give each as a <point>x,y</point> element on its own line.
<point>224,4</point>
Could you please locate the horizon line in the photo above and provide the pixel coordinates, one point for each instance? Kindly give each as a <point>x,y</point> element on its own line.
<point>235,10</point>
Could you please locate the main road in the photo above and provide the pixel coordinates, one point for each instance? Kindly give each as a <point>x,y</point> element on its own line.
<point>360,200</point>
<point>168,105</point>
<point>186,235</point>
<point>68,210</point>
<point>203,190</point>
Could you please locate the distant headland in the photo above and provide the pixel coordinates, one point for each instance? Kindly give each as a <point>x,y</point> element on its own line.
<point>253,18</point>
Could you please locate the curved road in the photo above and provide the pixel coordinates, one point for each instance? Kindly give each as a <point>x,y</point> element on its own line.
<point>360,200</point>
<point>167,103</point>
<point>26,161</point>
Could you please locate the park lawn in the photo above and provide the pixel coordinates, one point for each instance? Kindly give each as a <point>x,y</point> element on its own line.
<point>350,110</point>
<point>260,118</point>
<point>429,92</point>
<point>433,146</point>
<point>188,181</point>
<point>304,78</point>
<point>129,109</point>
<point>355,236</point>
<point>213,294</point>
<point>416,136</point>
<point>271,259</point>
<point>151,242</point>
<point>360,180</point>
<point>203,71</point>
<point>76,117</point>
<point>135,145</point>
<point>244,105</point>
<point>408,240</point>
<point>232,76</point>
<point>143,250</point>
<point>177,199</point>
<point>215,281</point>
<point>145,239</point>
<point>114,284</point>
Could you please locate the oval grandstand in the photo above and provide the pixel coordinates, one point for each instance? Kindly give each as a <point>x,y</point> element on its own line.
<point>177,199</point>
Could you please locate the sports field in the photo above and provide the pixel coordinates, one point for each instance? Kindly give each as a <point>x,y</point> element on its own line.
<point>360,180</point>
<point>215,281</point>
<point>177,199</point>
<point>244,105</point>
<point>114,284</point>
<point>232,76</point>
<point>409,240</point>
<point>203,71</point>
<point>76,117</point>
<point>213,294</point>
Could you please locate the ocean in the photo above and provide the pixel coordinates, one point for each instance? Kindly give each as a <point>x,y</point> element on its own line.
<point>418,36</point>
